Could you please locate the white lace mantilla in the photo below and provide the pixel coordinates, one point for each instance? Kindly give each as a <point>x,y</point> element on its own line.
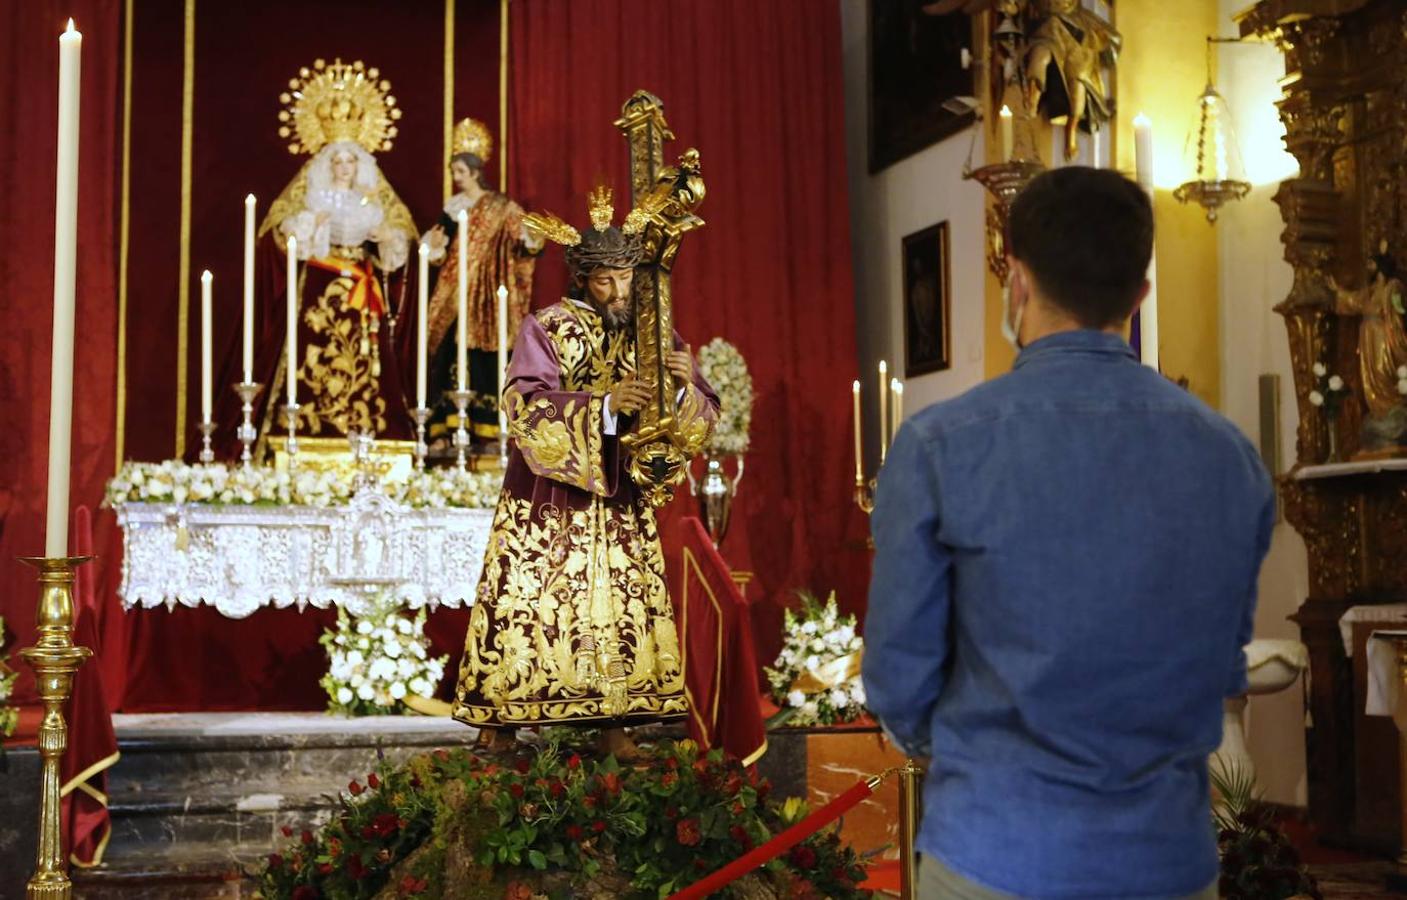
<point>240,558</point>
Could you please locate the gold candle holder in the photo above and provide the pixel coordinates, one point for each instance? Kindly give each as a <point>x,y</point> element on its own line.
<point>54,660</point>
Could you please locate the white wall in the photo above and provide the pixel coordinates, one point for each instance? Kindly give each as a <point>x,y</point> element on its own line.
<point>1253,278</point>
<point>908,196</point>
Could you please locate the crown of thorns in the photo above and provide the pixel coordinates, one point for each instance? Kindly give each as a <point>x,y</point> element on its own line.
<point>602,246</point>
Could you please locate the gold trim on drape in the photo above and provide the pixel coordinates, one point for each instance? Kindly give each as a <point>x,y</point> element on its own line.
<point>449,95</point>
<point>183,295</point>
<point>124,241</point>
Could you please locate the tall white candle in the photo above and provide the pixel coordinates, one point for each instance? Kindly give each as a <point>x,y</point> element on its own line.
<point>1143,151</point>
<point>249,203</point>
<point>502,355</point>
<point>206,376</point>
<point>1095,141</point>
<point>65,273</point>
<point>859,452</point>
<point>1006,135</point>
<point>883,411</point>
<point>291,342</point>
<point>462,315</point>
<point>422,307</point>
<point>1148,315</point>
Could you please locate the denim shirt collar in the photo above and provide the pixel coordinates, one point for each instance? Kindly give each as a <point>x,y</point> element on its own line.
<point>1086,341</point>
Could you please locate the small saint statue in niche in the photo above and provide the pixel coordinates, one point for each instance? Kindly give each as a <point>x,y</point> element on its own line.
<point>1382,349</point>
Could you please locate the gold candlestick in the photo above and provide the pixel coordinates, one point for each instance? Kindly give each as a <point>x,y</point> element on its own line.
<point>54,660</point>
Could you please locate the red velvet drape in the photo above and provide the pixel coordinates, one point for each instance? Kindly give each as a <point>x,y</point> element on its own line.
<point>757,88</point>
<point>29,66</point>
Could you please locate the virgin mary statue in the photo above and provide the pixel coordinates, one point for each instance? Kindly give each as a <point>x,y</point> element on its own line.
<point>350,233</point>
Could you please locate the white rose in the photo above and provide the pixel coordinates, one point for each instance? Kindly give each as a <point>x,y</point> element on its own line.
<point>796,698</point>
<point>1320,370</point>
<point>355,658</point>
<point>398,691</point>
<point>406,667</point>
<point>344,695</point>
<point>364,643</point>
<point>857,692</point>
<point>839,699</point>
<point>813,662</point>
<point>418,650</point>
<point>404,626</point>
<point>357,680</point>
<point>845,635</point>
<point>393,650</point>
<point>808,628</point>
<point>1336,383</point>
<point>1316,398</point>
<point>421,687</point>
<point>364,627</point>
<point>365,692</point>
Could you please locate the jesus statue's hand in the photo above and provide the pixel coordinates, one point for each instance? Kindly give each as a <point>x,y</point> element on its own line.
<point>631,395</point>
<point>681,365</point>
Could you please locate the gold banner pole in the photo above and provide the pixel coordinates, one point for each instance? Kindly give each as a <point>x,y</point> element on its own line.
<point>54,660</point>
<point>909,805</point>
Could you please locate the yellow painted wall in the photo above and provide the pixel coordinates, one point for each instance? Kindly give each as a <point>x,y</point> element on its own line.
<point>1161,71</point>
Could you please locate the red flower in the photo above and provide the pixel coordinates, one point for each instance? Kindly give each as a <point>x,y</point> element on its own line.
<point>287,832</point>
<point>356,788</point>
<point>598,826</point>
<point>700,766</point>
<point>802,856</point>
<point>671,811</point>
<point>612,782</point>
<point>574,832</point>
<point>368,833</point>
<point>373,781</point>
<point>334,847</point>
<point>442,755</point>
<point>739,834</point>
<point>306,837</point>
<point>574,762</point>
<point>275,861</point>
<point>588,801</point>
<point>669,779</point>
<point>518,891</point>
<point>733,784</point>
<point>386,824</point>
<point>738,807</point>
<point>354,866</point>
<point>515,789</point>
<point>522,765</point>
<point>557,788</point>
<point>671,764</point>
<point>764,789</point>
<point>305,892</point>
<point>324,868</point>
<point>801,889</point>
<point>841,875</point>
<point>686,831</point>
<point>412,885</point>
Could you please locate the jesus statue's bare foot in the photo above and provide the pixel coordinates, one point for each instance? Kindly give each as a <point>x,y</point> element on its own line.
<point>615,742</point>
<point>496,740</point>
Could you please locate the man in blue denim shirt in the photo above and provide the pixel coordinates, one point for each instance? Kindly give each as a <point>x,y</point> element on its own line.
<point>1065,574</point>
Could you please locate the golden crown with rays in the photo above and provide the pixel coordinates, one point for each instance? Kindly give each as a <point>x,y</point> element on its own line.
<point>473,136</point>
<point>601,209</point>
<point>338,102</point>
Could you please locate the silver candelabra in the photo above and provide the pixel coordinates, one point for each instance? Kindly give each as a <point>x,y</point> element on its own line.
<point>422,449</point>
<point>461,434</point>
<point>248,391</point>
<point>290,415</point>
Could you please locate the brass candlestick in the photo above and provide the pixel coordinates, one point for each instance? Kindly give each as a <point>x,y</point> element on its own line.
<point>54,660</point>
<point>461,434</point>
<point>207,431</point>
<point>422,449</point>
<point>910,782</point>
<point>247,391</point>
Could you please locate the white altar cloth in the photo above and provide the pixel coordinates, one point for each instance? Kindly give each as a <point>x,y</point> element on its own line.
<point>240,558</point>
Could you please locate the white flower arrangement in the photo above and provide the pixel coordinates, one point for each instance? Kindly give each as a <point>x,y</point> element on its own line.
<point>816,677</point>
<point>174,481</point>
<point>1328,391</point>
<point>377,661</point>
<point>9,715</point>
<point>724,368</point>
<point>1402,380</point>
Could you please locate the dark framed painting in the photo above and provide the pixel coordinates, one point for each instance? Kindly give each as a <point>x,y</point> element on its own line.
<point>919,67</point>
<point>927,338</point>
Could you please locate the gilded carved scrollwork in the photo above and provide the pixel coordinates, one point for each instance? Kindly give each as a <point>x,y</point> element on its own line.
<point>1329,519</point>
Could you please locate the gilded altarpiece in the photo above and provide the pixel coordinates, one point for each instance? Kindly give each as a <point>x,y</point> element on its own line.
<point>1345,114</point>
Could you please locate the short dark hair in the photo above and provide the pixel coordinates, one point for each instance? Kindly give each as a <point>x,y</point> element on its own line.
<point>1086,235</point>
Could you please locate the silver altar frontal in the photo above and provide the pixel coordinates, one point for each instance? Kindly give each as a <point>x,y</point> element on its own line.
<point>239,558</point>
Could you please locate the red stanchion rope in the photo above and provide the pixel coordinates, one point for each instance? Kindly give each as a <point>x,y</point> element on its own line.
<point>779,844</point>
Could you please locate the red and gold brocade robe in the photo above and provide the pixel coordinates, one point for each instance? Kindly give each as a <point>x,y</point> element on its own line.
<point>572,621</point>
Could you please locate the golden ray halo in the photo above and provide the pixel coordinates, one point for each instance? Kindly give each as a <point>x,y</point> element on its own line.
<point>338,101</point>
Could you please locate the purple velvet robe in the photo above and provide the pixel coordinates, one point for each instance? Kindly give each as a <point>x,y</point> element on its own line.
<point>572,620</point>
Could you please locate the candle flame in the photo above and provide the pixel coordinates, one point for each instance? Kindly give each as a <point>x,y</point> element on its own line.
<point>502,291</point>
<point>69,29</point>
<point>249,200</point>
<point>855,386</point>
<point>206,277</point>
<point>291,243</point>
<point>1006,111</point>
<point>1142,121</point>
<point>896,385</point>
<point>424,249</point>
<point>883,367</point>
<point>463,215</point>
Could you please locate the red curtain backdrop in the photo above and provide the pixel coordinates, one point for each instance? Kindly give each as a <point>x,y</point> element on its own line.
<point>29,66</point>
<point>757,88</point>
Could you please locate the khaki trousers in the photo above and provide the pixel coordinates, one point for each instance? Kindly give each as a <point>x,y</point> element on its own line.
<point>937,882</point>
